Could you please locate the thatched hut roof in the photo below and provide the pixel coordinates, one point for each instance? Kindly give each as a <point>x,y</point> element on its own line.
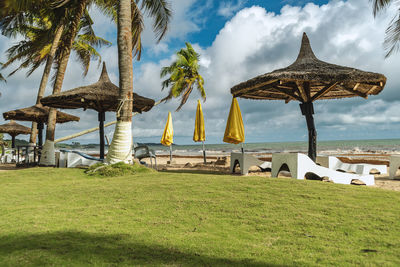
<point>100,96</point>
<point>309,79</point>
<point>13,128</point>
<point>37,113</point>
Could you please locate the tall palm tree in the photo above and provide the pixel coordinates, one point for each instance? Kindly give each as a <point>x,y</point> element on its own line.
<point>128,12</point>
<point>183,76</point>
<point>392,38</point>
<point>1,76</point>
<point>41,45</point>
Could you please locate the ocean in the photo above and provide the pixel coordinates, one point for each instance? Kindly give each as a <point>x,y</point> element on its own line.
<point>384,146</point>
<point>379,146</point>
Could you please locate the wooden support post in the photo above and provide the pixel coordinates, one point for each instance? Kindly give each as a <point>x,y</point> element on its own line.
<point>40,134</point>
<point>102,117</point>
<point>12,141</point>
<point>307,109</point>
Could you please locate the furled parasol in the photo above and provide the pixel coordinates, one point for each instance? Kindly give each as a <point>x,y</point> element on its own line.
<point>12,128</point>
<point>39,114</point>
<point>309,79</point>
<point>101,96</point>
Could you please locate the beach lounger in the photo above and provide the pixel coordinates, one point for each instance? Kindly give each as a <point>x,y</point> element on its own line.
<point>300,166</point>
<point>245,161</point>
<point>71,159</point>
<point>359,168</point>
<point>394,165</point>
<point>142,152</point>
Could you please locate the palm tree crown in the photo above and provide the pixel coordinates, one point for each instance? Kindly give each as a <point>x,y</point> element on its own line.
<point>183,76</point>
<point>392,38</point>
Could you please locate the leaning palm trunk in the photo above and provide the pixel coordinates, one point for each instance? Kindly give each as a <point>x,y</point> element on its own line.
<point>48,152</point>
<point>121,145</point>
<point>45,77</point>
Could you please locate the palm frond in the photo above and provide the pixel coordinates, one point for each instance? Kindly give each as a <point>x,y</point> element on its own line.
<point>161,13</point>
<point>392,38</point>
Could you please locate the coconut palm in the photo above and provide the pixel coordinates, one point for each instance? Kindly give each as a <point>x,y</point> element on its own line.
<point>121,145</point>
<point>1,76</point>
<point>41,45</point>
<point>183,76</point>
<point>392,38</point>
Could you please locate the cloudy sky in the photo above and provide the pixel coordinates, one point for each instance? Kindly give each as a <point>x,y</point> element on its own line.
<point>238,40</point>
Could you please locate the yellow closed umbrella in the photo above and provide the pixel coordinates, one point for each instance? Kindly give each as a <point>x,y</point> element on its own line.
<point>199,134</point>
<point>234,131</point>
<point>168,136</point>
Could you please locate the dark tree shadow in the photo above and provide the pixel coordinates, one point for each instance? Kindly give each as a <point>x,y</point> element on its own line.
<point>86,249</point>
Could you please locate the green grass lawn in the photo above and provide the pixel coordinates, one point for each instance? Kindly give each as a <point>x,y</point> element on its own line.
<point>62,217</point>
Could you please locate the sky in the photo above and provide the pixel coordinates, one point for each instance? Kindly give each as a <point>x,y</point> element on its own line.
<point>238,40</point>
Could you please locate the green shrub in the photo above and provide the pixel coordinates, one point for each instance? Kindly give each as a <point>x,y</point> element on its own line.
<point>117,169</point>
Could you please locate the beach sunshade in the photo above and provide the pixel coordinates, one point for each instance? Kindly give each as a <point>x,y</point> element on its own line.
<point>309,79</point>
<point>39,114</point>
<point>234,131</point>
<point>101,96</point>
<point>12,128</point>
<point>168,136</point>
<point>199,134</point>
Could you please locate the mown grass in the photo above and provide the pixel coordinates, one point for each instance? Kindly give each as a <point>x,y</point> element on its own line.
<point>62,217</point>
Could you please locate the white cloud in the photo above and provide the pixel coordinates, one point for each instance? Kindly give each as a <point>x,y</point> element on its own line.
<point>227,8</point>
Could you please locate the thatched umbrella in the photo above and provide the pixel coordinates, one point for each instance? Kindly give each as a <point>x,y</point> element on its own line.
<point>12,128</point>
<point>101,96</point>
<point>39,114</point>
<point>309,79</point>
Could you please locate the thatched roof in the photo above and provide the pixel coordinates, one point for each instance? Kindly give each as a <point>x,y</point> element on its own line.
<point>13,128</point>
<point>37,113</point>
<point>100,96</point>
<point>309,79</point>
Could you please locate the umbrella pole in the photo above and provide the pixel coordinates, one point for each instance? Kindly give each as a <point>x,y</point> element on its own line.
<point>307,109</point>
<point>102,117</point>
<point>170,154</point>
<point>204,153</point>
<point>241,148</point>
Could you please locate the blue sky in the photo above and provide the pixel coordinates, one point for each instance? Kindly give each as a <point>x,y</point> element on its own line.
<point>239,40</point>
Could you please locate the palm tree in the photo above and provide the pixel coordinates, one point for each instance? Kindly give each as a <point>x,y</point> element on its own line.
<point>1,76</point>
<point>41,45</point>
<point>128,11</point>
<point>183,76</point>
<point>392,38</point>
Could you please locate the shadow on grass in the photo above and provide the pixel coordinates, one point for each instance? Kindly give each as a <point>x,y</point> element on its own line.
<point>87,248</point>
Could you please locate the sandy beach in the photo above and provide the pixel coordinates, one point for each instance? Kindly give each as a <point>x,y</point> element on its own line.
<point>221,164</point>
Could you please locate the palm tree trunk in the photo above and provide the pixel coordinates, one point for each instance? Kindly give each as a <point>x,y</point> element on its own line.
<point>48,152</point>
<point>45,77</point>
<point>121,145</point>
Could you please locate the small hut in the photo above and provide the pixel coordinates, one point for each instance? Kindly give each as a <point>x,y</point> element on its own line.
<point>101,96</point>
<point>39,114</point>
<point>309,79</point>
<point>12,128</point>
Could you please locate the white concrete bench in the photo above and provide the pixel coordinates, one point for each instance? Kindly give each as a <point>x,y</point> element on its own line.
<point>359,168</point>
<point>245,161</point>
<point>299,165</point>
<point>394,165</point>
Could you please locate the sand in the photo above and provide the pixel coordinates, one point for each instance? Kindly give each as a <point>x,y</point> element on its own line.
<point>220,164</point>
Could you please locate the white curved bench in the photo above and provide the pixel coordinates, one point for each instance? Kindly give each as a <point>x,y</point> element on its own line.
<point>245,161</point>
<point>299,165</point>
<point>360,168</point>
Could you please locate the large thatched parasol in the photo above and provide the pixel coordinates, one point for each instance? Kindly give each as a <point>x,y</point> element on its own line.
<point>39,114</point>
<point>309,79</point>
<point>12,128</point>
<point>101,96</point>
